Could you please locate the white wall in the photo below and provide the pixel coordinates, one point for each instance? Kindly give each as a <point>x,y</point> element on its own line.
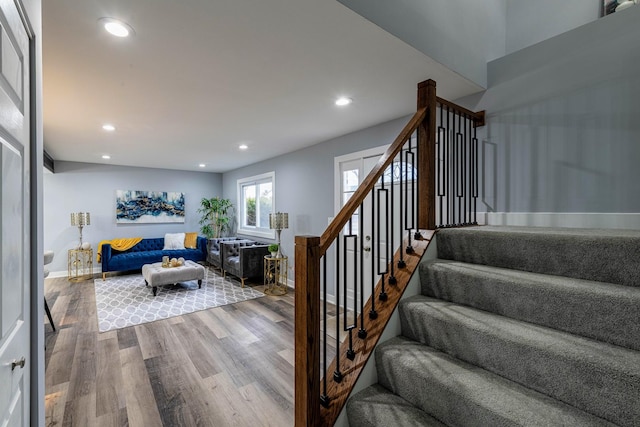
<point>529,22</point>
<point>462,35</point>
<point>86,187</point>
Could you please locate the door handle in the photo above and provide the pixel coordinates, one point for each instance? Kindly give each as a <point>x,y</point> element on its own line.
<point>18,363</point>
<point>367,249</point>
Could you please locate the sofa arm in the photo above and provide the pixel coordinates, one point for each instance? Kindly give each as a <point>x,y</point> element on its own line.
<point>105,256</point>
<point>252,260</point>
<point>202,246</point>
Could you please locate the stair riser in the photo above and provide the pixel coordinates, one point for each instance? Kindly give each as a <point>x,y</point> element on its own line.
<point>609,316</point>
<point>377,406</point>
<point>586,383</point>
<point>602,258</point>
<point>451,392</point>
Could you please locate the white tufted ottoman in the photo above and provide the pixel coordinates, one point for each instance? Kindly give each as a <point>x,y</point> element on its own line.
<point>156,275</point>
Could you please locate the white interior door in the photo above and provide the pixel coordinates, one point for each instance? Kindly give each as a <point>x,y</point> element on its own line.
<point>14,219</point>
<point>352,170</point>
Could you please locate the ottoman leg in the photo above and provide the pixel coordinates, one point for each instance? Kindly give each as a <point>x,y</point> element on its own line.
<point>200,284</point>
<point>146,283</point>
<point>155,290</point>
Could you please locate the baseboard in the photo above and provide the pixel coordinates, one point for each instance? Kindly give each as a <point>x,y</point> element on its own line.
<point>64,273</point>
<point>568,219</point>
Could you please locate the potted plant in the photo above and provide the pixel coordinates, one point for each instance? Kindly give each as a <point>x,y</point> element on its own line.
<point>273,248</point>
<point>216,214</point>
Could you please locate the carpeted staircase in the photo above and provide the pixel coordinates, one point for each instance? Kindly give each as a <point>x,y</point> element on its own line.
<point>515,327</point>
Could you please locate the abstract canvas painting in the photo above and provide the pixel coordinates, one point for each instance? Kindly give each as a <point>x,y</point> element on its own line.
<point>149,206</point>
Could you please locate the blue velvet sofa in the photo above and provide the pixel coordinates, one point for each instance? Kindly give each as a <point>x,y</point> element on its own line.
<point>147,251</point>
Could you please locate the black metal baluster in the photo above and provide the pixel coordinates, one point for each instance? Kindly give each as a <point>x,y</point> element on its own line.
<point>459,164</point>
<point>383,294</point>
<point>337,375</point>
<point>464,170</point>
<point>449,168</point>
<point>324,397</point>
<point>457,218</point>
<point>475,190</point>
<point>401,261</point>
<point>373,314</point>
<point>349,328</point>
<point>470,168</point>
<point>416,191</point>
<point>410,222</point>
<point>391,243</point>
<point>362,332</point>
<point>441,166</point>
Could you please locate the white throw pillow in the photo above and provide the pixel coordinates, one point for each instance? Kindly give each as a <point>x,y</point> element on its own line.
<point>173,241</point>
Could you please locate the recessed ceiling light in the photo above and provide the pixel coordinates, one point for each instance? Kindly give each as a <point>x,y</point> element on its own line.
<point>201,165</point>
<point>108,127</point>
<point>243,146</point>
<point>106,156</point>
<point>116,27</point>
<point>343,100</point>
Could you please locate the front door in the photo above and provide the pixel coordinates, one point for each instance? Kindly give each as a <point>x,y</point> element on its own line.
<point>14,218</point>
<point>351,170</point>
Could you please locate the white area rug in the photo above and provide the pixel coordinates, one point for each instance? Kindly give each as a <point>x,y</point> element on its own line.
<point>123,301</point>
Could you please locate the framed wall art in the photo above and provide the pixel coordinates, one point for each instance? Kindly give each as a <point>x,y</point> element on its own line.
<point>134,206</point>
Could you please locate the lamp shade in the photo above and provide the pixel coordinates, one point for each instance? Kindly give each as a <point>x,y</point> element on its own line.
<point>278,221</point>
<point>80,219</point>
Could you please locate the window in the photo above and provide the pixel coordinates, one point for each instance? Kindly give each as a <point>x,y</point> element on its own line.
<point>256,196</point>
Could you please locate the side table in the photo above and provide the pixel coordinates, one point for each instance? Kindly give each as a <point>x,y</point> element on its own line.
<point>275,275</point>
<point>80,264</point>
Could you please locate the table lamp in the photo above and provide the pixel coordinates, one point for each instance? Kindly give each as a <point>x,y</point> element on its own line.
<point>278,221</point>
<point>80,219</point>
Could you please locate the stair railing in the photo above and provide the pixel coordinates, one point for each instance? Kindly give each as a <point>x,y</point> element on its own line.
<point>428,176</point>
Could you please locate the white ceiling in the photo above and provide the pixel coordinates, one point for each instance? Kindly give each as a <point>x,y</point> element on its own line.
<point>200,77</point>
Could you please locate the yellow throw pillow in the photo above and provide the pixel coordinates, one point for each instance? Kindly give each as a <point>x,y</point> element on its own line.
<point>190,240</point>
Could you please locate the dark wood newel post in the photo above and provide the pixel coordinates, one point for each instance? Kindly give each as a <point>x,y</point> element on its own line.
<point>427,156</point>
<point>307,331</point>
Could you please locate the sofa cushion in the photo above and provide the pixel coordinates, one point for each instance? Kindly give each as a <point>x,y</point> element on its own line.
<point>191,240</point>
<point>173,241</point>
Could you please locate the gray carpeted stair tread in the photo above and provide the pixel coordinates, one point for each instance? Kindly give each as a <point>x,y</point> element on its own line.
<point>376,406</point>
<point>461,394</point>
<point>599,378</point>
<point>600,255</point>
<point>598,310</point>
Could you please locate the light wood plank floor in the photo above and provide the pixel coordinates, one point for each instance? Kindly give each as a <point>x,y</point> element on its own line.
<point>226,366</point>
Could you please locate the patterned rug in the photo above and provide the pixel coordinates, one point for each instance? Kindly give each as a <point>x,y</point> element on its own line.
<point>123,301</point>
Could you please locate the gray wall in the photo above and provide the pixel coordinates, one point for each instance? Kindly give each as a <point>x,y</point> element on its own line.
<point>86,187</point>
<point>530,22</point>
<point>462,35</point>
<point>305,179</point>
<point>563,122</point>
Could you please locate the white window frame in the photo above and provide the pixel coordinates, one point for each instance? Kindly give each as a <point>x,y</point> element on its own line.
<point>255,231</point>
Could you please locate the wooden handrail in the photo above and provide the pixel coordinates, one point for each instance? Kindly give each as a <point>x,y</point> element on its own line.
<point>332,231</point>
<point>477,117</point>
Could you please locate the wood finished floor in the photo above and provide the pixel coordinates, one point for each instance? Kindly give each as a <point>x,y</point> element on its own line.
<point>225,366</point>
